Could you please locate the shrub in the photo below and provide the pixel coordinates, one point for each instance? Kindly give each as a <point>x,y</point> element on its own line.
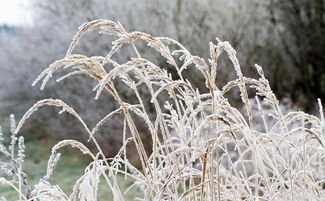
<point>203,148</point>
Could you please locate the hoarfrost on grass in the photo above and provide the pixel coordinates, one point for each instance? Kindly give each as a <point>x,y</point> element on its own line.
<point>203,148</point>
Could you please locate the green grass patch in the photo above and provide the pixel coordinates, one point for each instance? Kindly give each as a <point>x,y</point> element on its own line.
<point>70,167</point>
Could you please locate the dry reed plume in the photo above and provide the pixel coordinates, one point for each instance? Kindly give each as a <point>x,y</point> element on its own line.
<point>203,148</point>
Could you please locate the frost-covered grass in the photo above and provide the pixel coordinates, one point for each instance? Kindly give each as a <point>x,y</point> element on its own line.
<point>203,148</point>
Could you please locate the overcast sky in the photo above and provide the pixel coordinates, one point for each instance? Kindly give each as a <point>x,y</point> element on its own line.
<point>13,12</point>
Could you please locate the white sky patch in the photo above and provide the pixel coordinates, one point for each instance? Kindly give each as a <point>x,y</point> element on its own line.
<point>13,12</point>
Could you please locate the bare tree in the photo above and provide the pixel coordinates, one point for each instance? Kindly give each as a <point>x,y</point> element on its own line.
<point>193,23</point>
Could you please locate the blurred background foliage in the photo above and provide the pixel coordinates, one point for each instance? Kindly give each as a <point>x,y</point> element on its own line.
<point>285,37</point>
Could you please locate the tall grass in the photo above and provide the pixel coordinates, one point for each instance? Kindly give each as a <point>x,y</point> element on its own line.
<point>203,148</point>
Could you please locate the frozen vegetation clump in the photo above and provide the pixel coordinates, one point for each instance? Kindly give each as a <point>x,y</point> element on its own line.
<point>203,148</point>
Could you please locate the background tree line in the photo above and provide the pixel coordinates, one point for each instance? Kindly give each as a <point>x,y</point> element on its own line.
<point>285,37</point>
